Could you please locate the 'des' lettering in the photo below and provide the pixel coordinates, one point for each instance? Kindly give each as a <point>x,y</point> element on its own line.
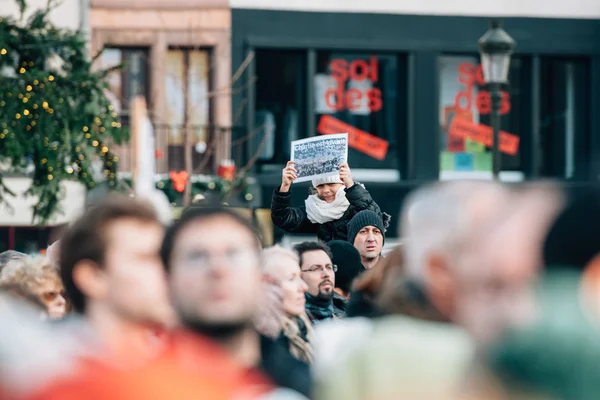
<point>352,99</point>
<point>470,75</point>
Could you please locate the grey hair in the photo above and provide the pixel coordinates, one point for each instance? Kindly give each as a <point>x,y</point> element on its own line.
<point>274,251</point>
<point>444,217</point>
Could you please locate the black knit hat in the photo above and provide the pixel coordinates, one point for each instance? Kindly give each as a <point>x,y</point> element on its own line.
<point>347,259</point>
<point>362,219</point>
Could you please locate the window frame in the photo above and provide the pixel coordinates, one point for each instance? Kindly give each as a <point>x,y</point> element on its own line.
<point>176,152</point>
<point>525,93</point>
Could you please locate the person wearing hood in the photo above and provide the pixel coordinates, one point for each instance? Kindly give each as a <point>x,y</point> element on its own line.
<point>326,211</point>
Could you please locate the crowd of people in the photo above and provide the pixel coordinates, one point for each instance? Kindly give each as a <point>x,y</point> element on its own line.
<point>493,294</point>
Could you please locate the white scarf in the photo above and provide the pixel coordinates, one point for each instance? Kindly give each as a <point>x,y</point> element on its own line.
<point>319,211</point>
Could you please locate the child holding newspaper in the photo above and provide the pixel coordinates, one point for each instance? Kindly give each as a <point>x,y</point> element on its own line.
<point>334,200</point>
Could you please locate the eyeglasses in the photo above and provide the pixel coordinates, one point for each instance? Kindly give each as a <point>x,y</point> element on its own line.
<point>232,257</point>
<point>321,268</point>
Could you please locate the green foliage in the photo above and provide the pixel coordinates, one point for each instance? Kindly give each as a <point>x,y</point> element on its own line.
<point>53,111</point>
<point>216,191</point>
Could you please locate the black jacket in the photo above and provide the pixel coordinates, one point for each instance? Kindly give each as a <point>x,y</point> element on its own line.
<point>294,219</point>
<point>283,368</point>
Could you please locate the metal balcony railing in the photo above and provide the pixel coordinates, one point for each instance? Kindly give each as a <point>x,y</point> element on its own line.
<point>208,142</point>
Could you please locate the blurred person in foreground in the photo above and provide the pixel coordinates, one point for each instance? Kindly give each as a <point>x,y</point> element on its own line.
<point>213,258</point>
<point>513,264</point>
<point>113,275</point>
<point>557,356</point>
<point>419,351</point>
<point>37,277</point>
<point>286,322</point>
<point>119,283</point>
<point>318,271</point>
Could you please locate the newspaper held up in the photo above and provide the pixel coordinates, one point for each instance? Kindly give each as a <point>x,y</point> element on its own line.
<point>319,156</point>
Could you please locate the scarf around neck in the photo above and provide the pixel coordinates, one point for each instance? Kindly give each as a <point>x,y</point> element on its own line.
<point>319,211</point>
<point>319,308</point>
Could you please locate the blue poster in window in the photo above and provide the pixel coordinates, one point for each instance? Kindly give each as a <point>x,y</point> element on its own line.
<point>463,162</point>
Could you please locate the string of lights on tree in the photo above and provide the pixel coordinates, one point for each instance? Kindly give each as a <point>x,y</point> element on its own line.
<point>54,115</point>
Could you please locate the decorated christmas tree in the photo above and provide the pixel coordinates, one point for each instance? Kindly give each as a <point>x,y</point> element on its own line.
<point>55,120</point>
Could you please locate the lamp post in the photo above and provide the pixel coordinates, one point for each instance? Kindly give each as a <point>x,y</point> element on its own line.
<point>496,47</point>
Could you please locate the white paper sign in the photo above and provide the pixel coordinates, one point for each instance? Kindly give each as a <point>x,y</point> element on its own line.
<point>319,156</point>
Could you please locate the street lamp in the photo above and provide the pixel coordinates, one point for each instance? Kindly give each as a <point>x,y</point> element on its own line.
<point>496,47</point>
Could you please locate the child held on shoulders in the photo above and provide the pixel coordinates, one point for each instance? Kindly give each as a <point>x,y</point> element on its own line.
<point>326,212</point>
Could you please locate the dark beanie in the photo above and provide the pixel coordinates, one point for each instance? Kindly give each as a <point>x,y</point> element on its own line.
<point>362,219</point>
<point>574,238</point>
<point>347,259</point>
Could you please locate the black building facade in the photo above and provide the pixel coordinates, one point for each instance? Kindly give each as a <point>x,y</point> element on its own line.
<point>409,90</point>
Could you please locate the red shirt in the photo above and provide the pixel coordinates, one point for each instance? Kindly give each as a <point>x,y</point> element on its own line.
<point>190,368</point>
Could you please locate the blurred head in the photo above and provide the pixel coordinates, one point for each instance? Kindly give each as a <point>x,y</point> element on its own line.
<point>440,224</point>
<point>327,187</point>
<point>497,293</point>
<point>366,233</point>
<point>9,255</point>
<point>284,266</point>
<point>317,268</point>
<point>110,262</point>
<point>213,259</point>
<point>39,278</point>
<point>347,259</point>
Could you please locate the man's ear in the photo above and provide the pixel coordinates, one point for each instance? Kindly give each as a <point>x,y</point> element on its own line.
<point>90,279</point>
<point>438,277</point>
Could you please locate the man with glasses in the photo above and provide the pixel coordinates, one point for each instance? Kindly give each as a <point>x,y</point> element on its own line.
<point>213,261</point>
<point>318,271</point>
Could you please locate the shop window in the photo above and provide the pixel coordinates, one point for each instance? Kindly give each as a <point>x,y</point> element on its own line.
<point>564,118</point>
<point>188,104</point>
<point>465,147</point>
<point>280,103</point>
<point>357,93</point>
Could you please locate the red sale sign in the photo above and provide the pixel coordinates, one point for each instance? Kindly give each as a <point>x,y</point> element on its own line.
<point>470,75</point>
<point>341,99</point>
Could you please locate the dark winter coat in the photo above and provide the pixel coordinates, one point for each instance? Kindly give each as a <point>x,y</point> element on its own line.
<point>283,368</point>
<point>294,219</point>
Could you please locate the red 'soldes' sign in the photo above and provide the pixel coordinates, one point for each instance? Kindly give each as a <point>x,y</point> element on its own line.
<point>353,99</point>
<point>469,75</point>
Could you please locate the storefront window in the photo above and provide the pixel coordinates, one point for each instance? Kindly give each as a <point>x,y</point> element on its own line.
<point>358,94</point>
<point>187,85</point>
<point>280,103</point>
<point>466,134</point>
<point>564,118</point>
